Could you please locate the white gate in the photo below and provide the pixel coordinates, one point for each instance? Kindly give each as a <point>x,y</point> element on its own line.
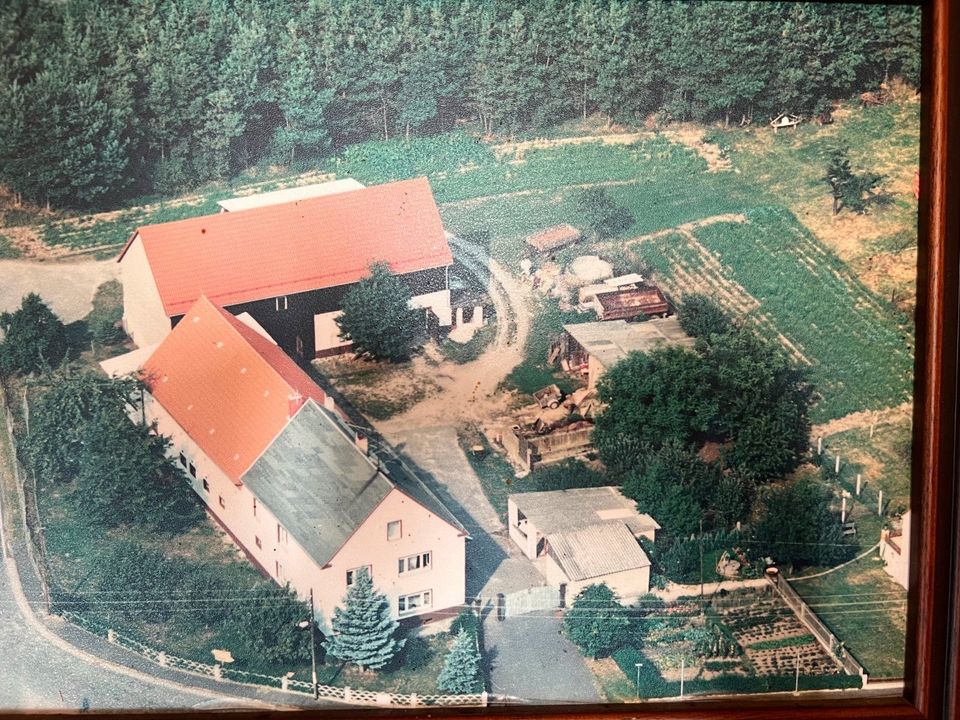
<point>531,600</point>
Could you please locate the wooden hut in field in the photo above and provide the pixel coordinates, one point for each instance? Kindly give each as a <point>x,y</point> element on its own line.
<point>784,120</point>
<point>554,238</point>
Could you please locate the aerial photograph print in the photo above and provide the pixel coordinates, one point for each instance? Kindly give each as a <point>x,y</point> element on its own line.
<point>392,354</point>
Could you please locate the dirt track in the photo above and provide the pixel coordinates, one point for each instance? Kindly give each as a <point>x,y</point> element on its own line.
<point>68,288</point>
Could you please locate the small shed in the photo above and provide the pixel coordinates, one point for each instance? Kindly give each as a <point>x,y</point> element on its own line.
<point>630,303</point>
<point>584,536</point>
<point>784,120</point>
<point>554,238</point>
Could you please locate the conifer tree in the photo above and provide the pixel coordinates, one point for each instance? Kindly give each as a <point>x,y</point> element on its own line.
<point>363,631</point>
<point>34,338</point>
<point>461,668</point>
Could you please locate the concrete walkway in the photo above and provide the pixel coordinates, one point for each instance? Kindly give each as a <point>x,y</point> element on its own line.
<point>531,659</point>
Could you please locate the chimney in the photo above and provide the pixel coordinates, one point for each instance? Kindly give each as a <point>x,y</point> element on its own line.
<point>296,401</point>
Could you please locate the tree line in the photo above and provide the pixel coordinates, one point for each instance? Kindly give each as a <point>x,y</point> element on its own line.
<point>101,99</point>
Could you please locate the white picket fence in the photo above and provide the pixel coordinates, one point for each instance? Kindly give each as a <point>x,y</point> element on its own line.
<point>348,695</point>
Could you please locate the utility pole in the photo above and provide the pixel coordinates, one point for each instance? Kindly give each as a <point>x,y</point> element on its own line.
<point>701,572</point>
<point>683,661</point>
<point>796,686</point>
<point>313,649</point>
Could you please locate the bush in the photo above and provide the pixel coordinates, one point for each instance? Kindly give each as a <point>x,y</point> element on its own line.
<point>596,622</point>
<point>34,338</point>
<point>605,218</point>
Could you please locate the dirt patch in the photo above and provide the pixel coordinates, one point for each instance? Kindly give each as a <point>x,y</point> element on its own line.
<point>517,149</point>
<point>862,420</point>
<point>692,136</point>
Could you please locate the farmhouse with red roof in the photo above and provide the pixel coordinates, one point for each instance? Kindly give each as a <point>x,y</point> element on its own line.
<point>288,264</point>
<point>293,485</point>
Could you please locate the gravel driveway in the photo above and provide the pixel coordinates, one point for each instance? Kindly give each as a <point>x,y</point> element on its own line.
<point>532,660</point>
<point>67,287</point>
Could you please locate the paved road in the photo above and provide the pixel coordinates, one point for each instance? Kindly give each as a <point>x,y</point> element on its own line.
<point>67,287</point>
<point>531,659</point>
<point>37,675</point>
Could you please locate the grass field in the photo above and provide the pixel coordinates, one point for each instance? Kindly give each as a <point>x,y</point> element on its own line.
<point>883,460</point>
<point>772,268</point>
<point>864,608</point>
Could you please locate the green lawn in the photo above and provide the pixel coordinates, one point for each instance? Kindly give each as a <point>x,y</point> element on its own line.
<point>883,461</point>
<point>7,249</point>
<point>866,610</point>
<point>858,347</point>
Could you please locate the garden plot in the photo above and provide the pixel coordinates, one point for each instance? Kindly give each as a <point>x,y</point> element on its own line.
<point>859,348</point>
<point>775,641</point>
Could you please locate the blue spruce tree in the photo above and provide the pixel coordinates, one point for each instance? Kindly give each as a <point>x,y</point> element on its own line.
<point>461,668</point>
<point>363,631</point>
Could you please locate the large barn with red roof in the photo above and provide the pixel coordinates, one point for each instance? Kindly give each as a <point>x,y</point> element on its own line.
<point>293,484</point>
<point>288,263</point>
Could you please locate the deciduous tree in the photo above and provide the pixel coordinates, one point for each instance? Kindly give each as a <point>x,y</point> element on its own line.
<point>377,317</point>
<point>596,622</point>
<point>34,338</point>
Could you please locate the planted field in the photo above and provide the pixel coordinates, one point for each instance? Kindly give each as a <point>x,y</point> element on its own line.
<point>865,609</point>
<point>858,347</point>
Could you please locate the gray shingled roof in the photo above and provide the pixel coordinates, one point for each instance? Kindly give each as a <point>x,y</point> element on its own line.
<point>319,485</point>
<point>564,510</point>
<point>612,340</point>
<point>597,550</point>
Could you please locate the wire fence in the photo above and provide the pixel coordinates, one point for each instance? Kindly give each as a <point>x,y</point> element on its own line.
<point>353,696</point>
<point>818,628</point>
<point>852,479</point>
<point>26,491</point>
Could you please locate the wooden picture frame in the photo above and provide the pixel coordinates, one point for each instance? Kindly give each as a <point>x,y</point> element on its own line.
<point>932,671</point>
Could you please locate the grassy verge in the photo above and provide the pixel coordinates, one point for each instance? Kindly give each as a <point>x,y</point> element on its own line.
<point>378,390</point>
<point>7,249</point>
<point>469,351</point>
<point>865,609</point>
<point>534,372</point>
<point>883,461</point>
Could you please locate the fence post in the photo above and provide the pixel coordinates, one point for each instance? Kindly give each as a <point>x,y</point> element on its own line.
<point>836,467</point>
<point>858,484</point>
<point>880,503</point>
<point>162,658</point>
<point>414,700</point>
<point>111,636</point>
<point>218,671</point>
<point>347,694</point>
<point>284,683</point>
<point>483,698</point>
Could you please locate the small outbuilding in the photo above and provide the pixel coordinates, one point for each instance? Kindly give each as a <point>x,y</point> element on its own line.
<point>554,238</point>
<point>584,536</point>
<point>630,303</point>
<point>593,348</point>
<point>785,120</point>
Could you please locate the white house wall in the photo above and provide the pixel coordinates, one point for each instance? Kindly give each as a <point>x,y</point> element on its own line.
<point>421,531</point>
<point>438,302</point>
<point>629,585</point>
<point>284,560</point>
<point>144,318</point>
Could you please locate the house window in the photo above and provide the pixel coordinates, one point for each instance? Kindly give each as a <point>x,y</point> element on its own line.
<point>279,570</point>
<point>299,345</point>
<point>183,460</point>
<point>352,574</point>
<point>222,502</point>
<point>417,601</point>
<point>280,303</point>
<point>193,470</point>
<point>414,562</point>
<point>393,530</point>
<point>256,539</point>
<point>206,485</point>
<point>282,534</point>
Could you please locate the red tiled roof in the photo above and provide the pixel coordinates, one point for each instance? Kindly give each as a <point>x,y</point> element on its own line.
<point>228,387</point>
<point>294,247</point>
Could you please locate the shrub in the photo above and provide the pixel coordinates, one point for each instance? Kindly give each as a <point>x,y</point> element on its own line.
<point>596,622</point>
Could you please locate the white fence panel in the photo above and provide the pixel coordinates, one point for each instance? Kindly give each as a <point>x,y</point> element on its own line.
<point>531,600</point>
